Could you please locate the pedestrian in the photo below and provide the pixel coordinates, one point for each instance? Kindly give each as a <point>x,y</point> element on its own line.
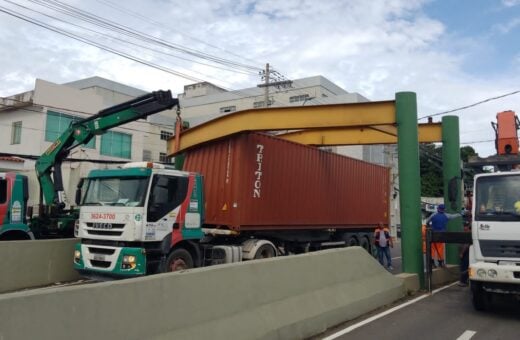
<point>439,222</point>
<point>383,242</point>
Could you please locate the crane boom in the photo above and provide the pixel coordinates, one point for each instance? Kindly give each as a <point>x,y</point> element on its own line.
<point>82,131</point>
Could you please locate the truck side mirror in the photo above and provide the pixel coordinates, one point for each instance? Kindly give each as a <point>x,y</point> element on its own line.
<point>78,191</point>
<point>29,211</point>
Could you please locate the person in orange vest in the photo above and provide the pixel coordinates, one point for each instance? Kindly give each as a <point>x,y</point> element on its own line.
<point>383,242</point>
<point>439,222</point>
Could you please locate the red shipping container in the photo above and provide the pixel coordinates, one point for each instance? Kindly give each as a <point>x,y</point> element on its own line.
<point>254,181</point>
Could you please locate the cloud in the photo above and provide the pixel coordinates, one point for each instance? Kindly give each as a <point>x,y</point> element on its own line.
<point>376,48</point>
<point>511,3</point>
<point>507,27</point>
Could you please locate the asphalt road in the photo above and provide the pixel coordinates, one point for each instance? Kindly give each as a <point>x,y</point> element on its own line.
<point>447,314</point>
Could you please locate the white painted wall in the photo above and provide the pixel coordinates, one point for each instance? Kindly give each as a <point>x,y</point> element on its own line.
<point>79,103</point>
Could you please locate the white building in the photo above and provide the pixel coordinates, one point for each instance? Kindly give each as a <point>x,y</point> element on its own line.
<point>33,120</point>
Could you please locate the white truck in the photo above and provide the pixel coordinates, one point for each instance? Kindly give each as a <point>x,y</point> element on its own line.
<point>494,257</point>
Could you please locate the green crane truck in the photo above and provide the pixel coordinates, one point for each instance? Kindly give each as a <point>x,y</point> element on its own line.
<point>54,219</point>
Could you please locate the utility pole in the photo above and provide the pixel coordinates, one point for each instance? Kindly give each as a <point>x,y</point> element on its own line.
<point>266,93</point>
<point>279,81</point>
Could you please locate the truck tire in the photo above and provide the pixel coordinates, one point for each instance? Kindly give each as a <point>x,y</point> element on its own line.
<point>264,252</point>
<point>480,297</point>
<point>365,244</point>
<point>179,259</point>
<point>352,241</point>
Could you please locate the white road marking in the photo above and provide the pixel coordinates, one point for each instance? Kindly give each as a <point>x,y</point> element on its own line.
<point>467,335</point>
<point>396,258</point>
<point>386,312</point>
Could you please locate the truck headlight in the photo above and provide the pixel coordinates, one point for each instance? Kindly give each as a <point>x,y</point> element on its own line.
<point>128,262</point>
<point>492,273</point>
<point>481,272</point>
<point>77,256</point>
<point>76,228</point>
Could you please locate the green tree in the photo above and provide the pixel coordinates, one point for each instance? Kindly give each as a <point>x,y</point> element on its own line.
<point>430,158</point>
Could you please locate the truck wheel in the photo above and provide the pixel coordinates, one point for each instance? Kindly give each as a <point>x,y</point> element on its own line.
<point>352,241</point>
<point>365,244</point>
<point>480,298</point>
<point>264,252</point>
<point>179,259</point>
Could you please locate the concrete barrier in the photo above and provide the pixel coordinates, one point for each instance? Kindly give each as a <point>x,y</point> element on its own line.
<point>25,264</point>
<point>440,277</point>
<point>291,297</point>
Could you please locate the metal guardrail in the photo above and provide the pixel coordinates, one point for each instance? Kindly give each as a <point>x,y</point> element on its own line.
<point>460,237</point>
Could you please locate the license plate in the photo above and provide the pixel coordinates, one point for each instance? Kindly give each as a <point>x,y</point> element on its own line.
<point>99,257</point>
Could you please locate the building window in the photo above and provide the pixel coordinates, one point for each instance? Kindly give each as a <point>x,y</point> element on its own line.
<point>57,123</point>
<point>147,155</point>
<point>16,133</point>
<point>227,109</point>
<point>116,144</point>
<point>260,104</point>
<point>163,158</point>
<point>301,98</point>
<point>165,135</point>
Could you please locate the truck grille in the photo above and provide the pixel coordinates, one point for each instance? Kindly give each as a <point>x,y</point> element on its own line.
<point>100,264</point>
<point>500,248</point>
<point>104,251</point>
<point>106,229</point>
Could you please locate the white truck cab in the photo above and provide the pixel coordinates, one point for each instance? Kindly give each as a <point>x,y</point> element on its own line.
<point>494,261</point>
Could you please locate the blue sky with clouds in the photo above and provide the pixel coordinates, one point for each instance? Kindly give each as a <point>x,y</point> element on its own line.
<point>486,32</point>
<point>452,53</point>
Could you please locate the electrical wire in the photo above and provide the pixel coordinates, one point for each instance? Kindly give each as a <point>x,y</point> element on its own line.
<point>122,9</point>
<point>100,46</point>
<point>102,22</point>
<point>471,105</point>
<point>120,127</point>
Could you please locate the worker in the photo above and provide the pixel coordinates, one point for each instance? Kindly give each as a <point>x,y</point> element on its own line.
<point>438,222</point>
<point>383,242</point>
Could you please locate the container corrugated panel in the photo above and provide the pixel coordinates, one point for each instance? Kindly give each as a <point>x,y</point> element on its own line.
<point>255,181</point>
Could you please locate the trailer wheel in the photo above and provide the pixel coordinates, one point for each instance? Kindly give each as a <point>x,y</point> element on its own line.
<point>179,259</point>
<point>365,244</point>
<point>352,241</point>
<point>264,252</point>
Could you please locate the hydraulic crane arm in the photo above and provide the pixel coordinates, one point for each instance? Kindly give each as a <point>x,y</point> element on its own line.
<point>81,132</point>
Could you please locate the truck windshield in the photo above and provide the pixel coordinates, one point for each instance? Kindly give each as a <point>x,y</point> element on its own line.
<point>498,198</point>
<point>127,191</point>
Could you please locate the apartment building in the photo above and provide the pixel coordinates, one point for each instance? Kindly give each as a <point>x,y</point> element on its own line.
<point>33,120</point>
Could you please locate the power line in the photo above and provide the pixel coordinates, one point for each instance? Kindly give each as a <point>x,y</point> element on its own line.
<point>68,110</point>
<point>120,8</point>
<point>471,105</point>
<point>92,43</point>
<point>479,141</point>
<point>100,46</point>
<point>72,11</point>
<point>99,21</point>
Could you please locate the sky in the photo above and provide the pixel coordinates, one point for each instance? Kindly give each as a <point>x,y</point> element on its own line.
<point>452,53</point>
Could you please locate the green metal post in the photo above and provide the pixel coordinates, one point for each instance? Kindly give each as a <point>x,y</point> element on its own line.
<point>179,161</point>
<point>409,183</point>
<point>452,179</point>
